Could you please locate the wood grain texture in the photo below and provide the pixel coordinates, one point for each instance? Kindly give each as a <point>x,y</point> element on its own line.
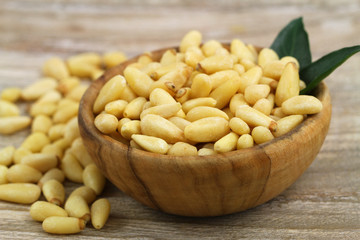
<point>323,204</point>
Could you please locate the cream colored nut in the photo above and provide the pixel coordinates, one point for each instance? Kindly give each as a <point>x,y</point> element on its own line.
<point>66,113</point>
<point>179,122</point>
<point>239,126</point>
<point>253,51</point>
<point>162,70</point>
<point>274,69</point>
<point>236,101</point>
<point>250,77</point>
<point>11,94</point>
<point>210,47</point>
<point>54,173</point>
<point>100,211</point>
<point>269,81</point>
<point>63,225</point>
<point>39,88</point>
<point>6,155</point>
<point>164,110</point>
<point>133,144</point>
<point>253,93</point>
<point>41,161</point>
<point>93,178</point>
<point>112,90</point>
<point>21,173</point>
<point>198,131</point>
<point>239,49</point>
<point>72,168</point>
<point>288,123</point>
<point>54,150</point>
<point>288,59</point>
<point>111,59</point>
<point>302,85</point>
<point>55,68</point>
<point>157,126</point>
<point>153,67</point>
<point>255,118</point>
<point>43,108</point>
<point>277,112</point>
<point>116,108</point>
<point>303,104</point>
<point>223,93</point>
<point>87,193</point>
<point>40,210</point>
<point>130,128</point>
<point>150,143</point>
<point>67,84</point>
<point>35,142</point>
<point>182,149</point>
<point>207,101</point>
<point>240,69</point>
<point>56,131</point>
<point>84,64</point>
<point>77,92</point>
<point>228,112</point>
<point>121,123</point>
<point>3,174</point>
<point>41,123</point>
<point>193,56</point>
<point>215,63</point>
<point>76,206</point>
<point>138,81</point>
<point>248,64</point>
<point>192,38</point>
<point>106,123</point>
<point>159,96</point>
<point>134,108</point>
<point>54,192</point>
<point>245,141</point>
<point>261,134</point>
<point>206,152</point>
<point>197,113</point>
<point>8,109</point>
<point>62,143</point>
<point>71,131</point>
<point>220,77</point>
<point>79,151</point>
<point>267,55</point>
<point>263,105</point>
<point>19,154</point>
<point>288,84</point>
<point>227,143</point>
<point>169,57</point>
<point>183,94</point>
<point>24,193</point>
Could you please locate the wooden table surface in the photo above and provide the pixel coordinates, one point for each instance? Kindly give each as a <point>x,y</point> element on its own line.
<point>323,204</point>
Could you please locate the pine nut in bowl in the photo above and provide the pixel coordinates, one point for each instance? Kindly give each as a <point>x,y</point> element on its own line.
<point>206,184</point>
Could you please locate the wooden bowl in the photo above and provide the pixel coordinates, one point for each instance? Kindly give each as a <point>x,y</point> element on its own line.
<point>204,185</point>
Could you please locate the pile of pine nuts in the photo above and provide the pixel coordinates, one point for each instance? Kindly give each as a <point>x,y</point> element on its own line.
<point>54,150</point>
<point>204,99</point>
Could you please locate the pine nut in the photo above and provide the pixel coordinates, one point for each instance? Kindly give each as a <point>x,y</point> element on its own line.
<point>24,193</point>
<point>93,178</point>
<point>40,210</point>
<point>198,131</point>
<point>54,192</point>
<point>150,143</point>
<point>63,225</point>
<point>100,211</point>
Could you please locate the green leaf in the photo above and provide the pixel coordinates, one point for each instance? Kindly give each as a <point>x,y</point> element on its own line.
<point>320,69</point>
<point>293,40</point>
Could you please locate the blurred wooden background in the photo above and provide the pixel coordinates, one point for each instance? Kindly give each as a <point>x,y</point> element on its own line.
<point>323,204</point>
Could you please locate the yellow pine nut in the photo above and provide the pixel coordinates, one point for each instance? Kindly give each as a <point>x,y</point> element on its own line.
<point>274,69</point>
<point>210,47</point>
<point>267,55</point>
<point>220,77</point>
<point>111,59</point>
<point>277,112</point>
<point>79,151</point>
<point>236,101</point>
<point>111,91</point>
<point>173,80</point>
<point>271,98</point>
<point>72,168</point>
<point>24,193</point>
<point>82,65</point>
<point>63,225</point>
<point>138,81</point>
<point>164,69</point>
<point>237,125</point>
<point>179,122</point>
<point>157,126</point>
<point>201,86</point>
<point>145,59</point>
<point>223,93</point>
<point>35,142</point>
<point>93,178</point>
<point>248,64</point>
<point>53,96</point>
<point>41,123</point>
<point>253,51</point>
<point>198,131</point>
<point>288,84</point>
<point>147,105</point>
<point>87,193</point>
<point>169,57</point>
<point>245,141</point>
<point>106,123</point>
<point>197,113</point>
<point>40,210</point>
<point>64,114</point>
<point>255,118</point>
<point>6,155</point>
<point>133,144</point>
<point>67,84</point>
<point>288,59</point>
<point>286,124</point>
<point>21,173</point>
<point>302,85</point>
<point>54,173</point>
<point>206,152</point>
<point>263,105</point>
<point>159,96</point>
<point>192,38</point>
<point>253,93</point>
<point>151,68</point>
<point>164,110</point>
<point>77,92</point>
<point>215,63</point>
<point>269,81</point>
<point>183,94</point>
<point>53,149</point>
<point>71,131</point>
<point>239,49</point>
<point>209,145</point>
<point>250,77</point>
<point>182,149</point>
<point>8,109</point>
<point>261,134</point>
<point>56,131</point>
<point>54,192</point>
<point>193,56</point>
<point>303,104</point>
<point>39,88</point>
<point>3,174</point>
<point>43,108</point>
<point>275,118</point>
<point>134,108</point>
<point>20,153</point>
<point>55,68</point>
<point>11,94</point>
<point>96,73</point>
<point>62,143</point>
<point>41,161</point>
<point>116,108</point>
<point>228,112</point>
<point>227,143</point>
<point>122,122</point>
<point>150,143</point>
<point>130,128</point>
<point>207,101</point>
<point>240,69</point>
<point>100,211</point>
